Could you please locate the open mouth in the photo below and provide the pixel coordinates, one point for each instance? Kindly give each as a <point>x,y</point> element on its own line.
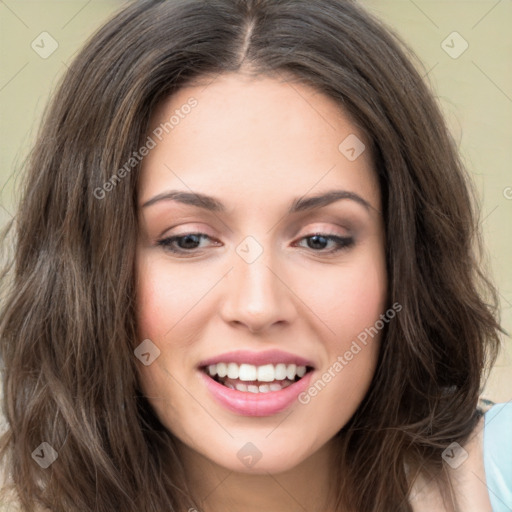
<point>256,379</point>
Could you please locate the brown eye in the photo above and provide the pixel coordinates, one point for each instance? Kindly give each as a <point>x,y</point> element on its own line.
<point>183,244</point>
<point>319,242</point>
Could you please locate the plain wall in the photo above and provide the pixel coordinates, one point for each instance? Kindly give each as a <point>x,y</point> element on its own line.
<point>474,88</point>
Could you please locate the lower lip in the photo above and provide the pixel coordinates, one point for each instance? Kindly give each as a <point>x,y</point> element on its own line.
<point>256,404</point>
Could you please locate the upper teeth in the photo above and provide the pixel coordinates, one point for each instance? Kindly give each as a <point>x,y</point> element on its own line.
<point>265,373</point>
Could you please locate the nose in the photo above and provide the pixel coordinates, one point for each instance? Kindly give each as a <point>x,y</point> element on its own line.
<point>257,295</point>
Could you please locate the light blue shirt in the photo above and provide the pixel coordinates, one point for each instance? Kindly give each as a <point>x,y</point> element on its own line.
<point>498,456</point>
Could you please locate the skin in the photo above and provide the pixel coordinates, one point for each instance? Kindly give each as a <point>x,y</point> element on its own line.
<point>256,145</point>
<point>468,482</point>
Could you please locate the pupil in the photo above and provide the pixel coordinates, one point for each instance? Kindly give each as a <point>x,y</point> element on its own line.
<point>193,239</point>
<point>315,240</point>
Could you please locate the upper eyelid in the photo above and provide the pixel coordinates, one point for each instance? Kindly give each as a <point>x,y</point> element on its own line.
<point>324,232</point>
<point>347,226</point>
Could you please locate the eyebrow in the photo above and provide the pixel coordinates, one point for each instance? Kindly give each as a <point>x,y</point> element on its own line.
<point>298,205</point>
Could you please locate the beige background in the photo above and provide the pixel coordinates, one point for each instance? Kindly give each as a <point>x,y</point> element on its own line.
<point>474,90</point>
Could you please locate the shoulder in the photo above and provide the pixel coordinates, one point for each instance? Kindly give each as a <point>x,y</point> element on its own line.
<point>463,467</point>
<point>497,450</point>
<point>479,470</point>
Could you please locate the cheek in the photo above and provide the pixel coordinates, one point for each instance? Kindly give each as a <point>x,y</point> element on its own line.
<point>348,300</point>
<point>167,298</point>
<point>161,303</point>
<point>172,305</point>
<point>352,309</point>
<point>156,298</point>
<point>362,325</point>
<point>363,294</point>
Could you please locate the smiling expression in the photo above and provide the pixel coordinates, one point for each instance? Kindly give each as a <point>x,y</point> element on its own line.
<point>261,258</point>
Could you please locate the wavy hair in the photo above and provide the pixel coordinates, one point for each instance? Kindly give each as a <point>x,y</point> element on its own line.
<point>67,327</point>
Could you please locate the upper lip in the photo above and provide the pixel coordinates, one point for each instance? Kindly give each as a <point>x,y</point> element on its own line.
<point>257,358</point>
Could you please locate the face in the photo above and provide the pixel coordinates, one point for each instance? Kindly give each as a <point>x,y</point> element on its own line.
<point>264,301</point>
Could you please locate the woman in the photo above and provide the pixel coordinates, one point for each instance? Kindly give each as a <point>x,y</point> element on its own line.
<point>246,276</point>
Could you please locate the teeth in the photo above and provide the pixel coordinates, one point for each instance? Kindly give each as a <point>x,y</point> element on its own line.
<point>291,371</point>
<point>263,388</point>
<point>280,371</point>
<point>266,373</point>
<point>222,369</point>
<point>248,372</point>
<point>301,371</point>
<point>233,371</point>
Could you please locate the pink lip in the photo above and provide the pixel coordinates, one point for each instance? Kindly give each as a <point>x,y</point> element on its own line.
<point>256,404</point>
<point>257,358</point>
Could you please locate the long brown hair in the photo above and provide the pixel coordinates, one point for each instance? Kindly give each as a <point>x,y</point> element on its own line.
<point>67,321</point>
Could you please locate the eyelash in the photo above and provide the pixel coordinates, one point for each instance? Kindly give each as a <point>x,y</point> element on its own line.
<point>343,243</point>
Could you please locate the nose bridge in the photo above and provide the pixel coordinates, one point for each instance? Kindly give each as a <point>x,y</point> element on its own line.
<point>255,295</point>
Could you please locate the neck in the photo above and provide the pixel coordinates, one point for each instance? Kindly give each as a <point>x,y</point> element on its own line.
<point>307,486</point>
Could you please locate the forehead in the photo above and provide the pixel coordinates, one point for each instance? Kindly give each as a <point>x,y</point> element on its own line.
<point>265,135</point>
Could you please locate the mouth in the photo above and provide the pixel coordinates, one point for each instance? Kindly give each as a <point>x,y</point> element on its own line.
<point>250,383</point>
<point>248,378</point>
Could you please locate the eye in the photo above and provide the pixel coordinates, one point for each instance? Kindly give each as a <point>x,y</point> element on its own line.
<point>183,244</point>
<point>189,243</point>
<point>319,241</point>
